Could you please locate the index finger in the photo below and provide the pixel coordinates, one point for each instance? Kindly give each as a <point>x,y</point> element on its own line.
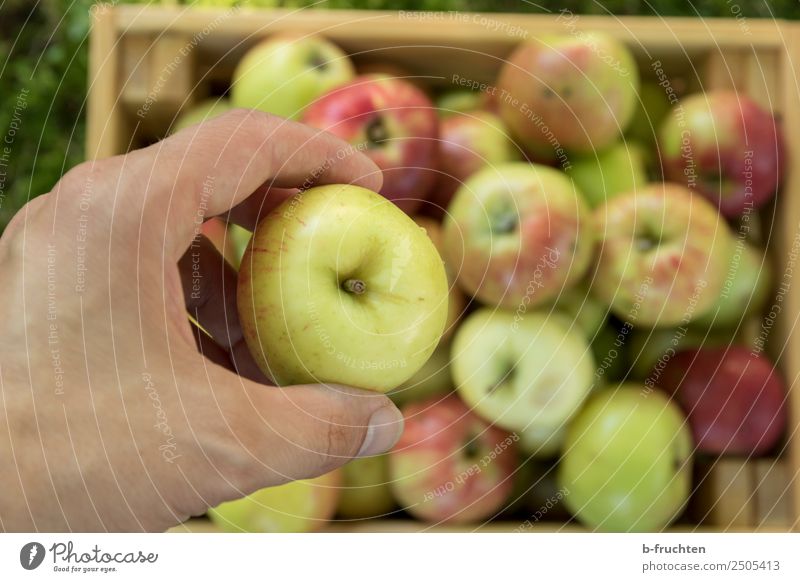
<point>216,165</point>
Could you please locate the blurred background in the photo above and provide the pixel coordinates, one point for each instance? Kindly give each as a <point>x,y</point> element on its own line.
<point>45,44</point>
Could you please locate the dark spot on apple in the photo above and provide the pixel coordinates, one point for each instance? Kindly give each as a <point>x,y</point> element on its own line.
<point>472,449</point>
<point>376,132</point>
<point>647,240</point>
<point>318,61</point>
<point>504,380</point>
<point>505,223</point>
<point>566,92</point>
<point>548,93</point>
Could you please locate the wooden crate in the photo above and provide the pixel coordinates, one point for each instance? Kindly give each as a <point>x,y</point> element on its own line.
<point>139,56</point>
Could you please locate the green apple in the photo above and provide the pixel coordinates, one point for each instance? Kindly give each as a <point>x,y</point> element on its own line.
<point>603,175</point>
<point>286,72</point>
<point>627,461</point>
<point>295,507</point>
<point>646,348</point>
<point>526,373</point>
<point>240,236</point>
<point>459,101</point>
<point>651,108</point>
<point>366,491</point>
<point>745,291</point>
<point>203,111</point>
<point>339,285</point>
<point>583,308</point>
<point>433,379</point>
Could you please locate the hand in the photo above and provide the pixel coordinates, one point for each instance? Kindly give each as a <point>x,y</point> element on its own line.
<point>113,420</point>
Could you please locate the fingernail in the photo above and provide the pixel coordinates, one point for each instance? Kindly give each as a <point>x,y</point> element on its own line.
<point>385,427</point>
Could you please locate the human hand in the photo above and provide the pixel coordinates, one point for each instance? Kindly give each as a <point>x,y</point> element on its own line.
<point>113,420</point>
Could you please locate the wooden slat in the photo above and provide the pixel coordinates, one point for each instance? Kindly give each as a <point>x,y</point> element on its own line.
<point>725,497</point>
<point>104,120</point>
<point>773,485</point>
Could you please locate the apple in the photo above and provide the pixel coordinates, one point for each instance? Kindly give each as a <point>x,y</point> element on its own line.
<point>735,400</point>
<point>216,230</point>
<point>583,308</point>
<point>295,507</point>
<point>450,465</point>
<point>726,146</point>
<point>338,285</point>
<point>286,72</point>
<point>745,291</point>
<point>203,111</point>
<point>456,303</point>
<point>525,372</point>
<point>616,170</point>
<point>366,491</point>
<point>663,255</point>
<point>459,101</point>
<point>576,92</point>
<point>432,379</point>
<point>387,69</point>
<point>648,349</point>
<point>652,107</point>
<point>518,234</point>
<point>392,122</point>
<point>468,142</point>
<point>240,236</point>
<point>627,461</point>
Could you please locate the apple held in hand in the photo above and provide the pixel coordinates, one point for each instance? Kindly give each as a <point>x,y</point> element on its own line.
<point>517,234</point>
<point>295,507</point>
<point>663,255</point>
<point>450,465</point>
<point>467,143</point>
<point>525,372</point>
<point>616,170</point>
<point>286,72</point>
<point>735,400</point>
<point>338,285</point>
<point>626,461</point>
<point>576,92</point>
<point>200,112</point>
<point>726,146</point>
<point>365,490</point>
<point>392,122</point>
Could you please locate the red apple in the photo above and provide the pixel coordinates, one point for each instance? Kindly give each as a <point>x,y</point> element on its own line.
<point>392,122</point>
<point>725,146</point>
<point>734,399</point>
<point>576,92</point>
<point>468,142</point>
<point>450,465</point>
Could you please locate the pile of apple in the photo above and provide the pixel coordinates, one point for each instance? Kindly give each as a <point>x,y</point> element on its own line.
<point>597,236</point>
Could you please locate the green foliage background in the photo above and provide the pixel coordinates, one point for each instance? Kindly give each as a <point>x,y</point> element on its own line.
<point>44,46</point>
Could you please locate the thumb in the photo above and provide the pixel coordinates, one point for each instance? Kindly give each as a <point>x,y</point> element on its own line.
<point>263,436</point>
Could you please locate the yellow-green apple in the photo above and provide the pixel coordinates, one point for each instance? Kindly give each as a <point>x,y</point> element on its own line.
<point>286,72</point>
<point>365,490</point>
<point>456,303</point>
<point>450,465</point>
<point>652,108</point>
<point>295,507</point>
<point>240,237</point>
<point>394,124</point>
<point>203,111</point>
<point>735,400</point>
<point>662,256</point>
<point>432,379</point>
<point>518,234</point>
<point>338,285</point>
<point>583,308</point>
<point>648,350</point>
<point>525,372</point>
<point>576,92</point>
<point>615,170</point>
<point>745,291</point>
<point>467,143</point>
<point>726,146</point>
<point>459,101</point>
<point>627,461</point>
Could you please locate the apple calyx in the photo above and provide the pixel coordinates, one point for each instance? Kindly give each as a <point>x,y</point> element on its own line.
<point>318,61</point>
<point>504,379</point>
<point>376,132</point>
<point>355,286</point>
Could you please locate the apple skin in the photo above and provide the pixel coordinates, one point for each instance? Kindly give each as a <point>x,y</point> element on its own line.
<point>567,81</point>
<point>745,292</point>
<point>662,257</point>
<point>394,124</point>
<point>434,378</point>
<point>518,234</point>
<point>526,373</point>
<point>459,101</point>
<point>467,143</point>
<point>704,144</point>
<point>652,108</point>
<point>301,322</point>
<point>734,399</point>
<point>365,491</point>
<point>456,301</point>
<point>616,170</point>
<point>450,465</point>
<point>626,461</point>
<point>648,348</point>
<point>286,72</point>
<point>200,112</point>
<point>295,507</point>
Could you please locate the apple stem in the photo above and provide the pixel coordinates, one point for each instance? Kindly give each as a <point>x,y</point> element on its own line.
<point>356,286</point>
